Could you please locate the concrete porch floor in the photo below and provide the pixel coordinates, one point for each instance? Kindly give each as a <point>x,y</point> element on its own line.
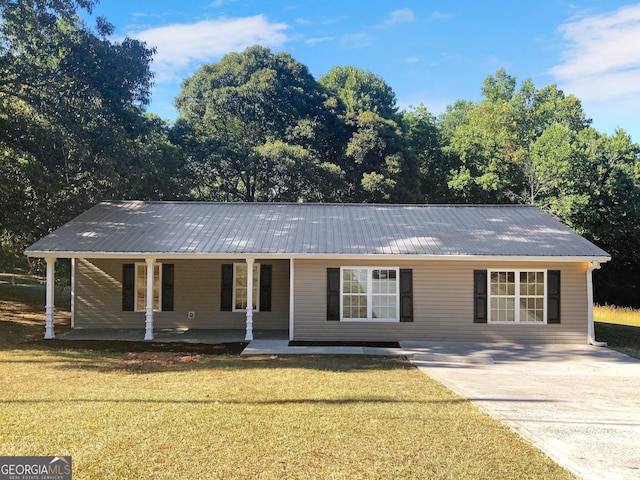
<point>166,335</point>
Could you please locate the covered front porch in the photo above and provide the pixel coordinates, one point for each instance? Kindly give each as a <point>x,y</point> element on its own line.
<point>174,299</point>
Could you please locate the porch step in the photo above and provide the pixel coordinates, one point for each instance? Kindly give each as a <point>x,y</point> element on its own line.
<point>281,347</point>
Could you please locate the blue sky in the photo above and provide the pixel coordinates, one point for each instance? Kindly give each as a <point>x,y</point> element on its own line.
<point>430,51</point>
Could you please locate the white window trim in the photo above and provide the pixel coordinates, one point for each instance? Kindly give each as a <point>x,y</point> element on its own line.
<point>370,295</point>
<point>256,280</point>
<point>517,273</point>
<point>135,286</point>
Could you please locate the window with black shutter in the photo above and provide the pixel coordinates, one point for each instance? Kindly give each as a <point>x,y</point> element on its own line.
<point>233,292</point>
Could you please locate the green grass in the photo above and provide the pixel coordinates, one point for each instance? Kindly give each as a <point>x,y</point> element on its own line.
<point>164,414</point>
<point>619,327</point>
<point>160,416</point>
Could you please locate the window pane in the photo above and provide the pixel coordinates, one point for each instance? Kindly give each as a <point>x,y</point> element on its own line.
<point>354,306</point>
<point>354,281</point>
<point>502,294</point>
<point>502,283</point>
<point>510,311</point>
<point>240,279</point>
<point>384,288</point>
<point>532,296</point>
<point>532,310</point>
<point>502,309</point>
<point>384,306</point>
<point>141,286</point>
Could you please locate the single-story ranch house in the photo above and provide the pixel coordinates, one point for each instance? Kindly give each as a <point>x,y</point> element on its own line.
<point>327,272</point>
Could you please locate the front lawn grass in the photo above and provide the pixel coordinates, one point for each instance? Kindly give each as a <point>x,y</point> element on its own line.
<point>619,327</point>
<point>166,415</point>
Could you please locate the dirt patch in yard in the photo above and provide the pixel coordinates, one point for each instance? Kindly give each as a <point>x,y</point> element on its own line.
<point>157,362</point>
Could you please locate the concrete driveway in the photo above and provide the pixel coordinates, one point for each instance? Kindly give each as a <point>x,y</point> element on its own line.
<point>580,404</point>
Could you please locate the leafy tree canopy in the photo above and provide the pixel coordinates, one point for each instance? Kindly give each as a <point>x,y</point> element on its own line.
<point>71,104</point>
<point>361,91</point>
<point>240,111</point>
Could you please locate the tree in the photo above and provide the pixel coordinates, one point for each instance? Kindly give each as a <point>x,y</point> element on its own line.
<point>455,116</point>
<point>422,135</point>
<point>361,91</point>
<point>601,200</point>
<point>71,104</point>
<point>495,143</point>
<point>377,165</point>
<point>232,113</point>
<point>296,174</point>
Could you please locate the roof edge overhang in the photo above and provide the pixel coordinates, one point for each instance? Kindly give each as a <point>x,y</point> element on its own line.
<point>317,256</point>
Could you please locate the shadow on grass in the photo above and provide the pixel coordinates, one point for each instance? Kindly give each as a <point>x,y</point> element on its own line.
<point>150,362</point>
<point>213,401</point>
<point>623,338</point>
<point>108,356</point>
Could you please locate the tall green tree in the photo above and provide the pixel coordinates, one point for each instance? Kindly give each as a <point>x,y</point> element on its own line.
<point>361,91</point>
<point>377,163</point>
<point>600,198</point>
<point>495,146</point>
<point>71,104</point>
<point>423,138</point>
<point>236,116</point>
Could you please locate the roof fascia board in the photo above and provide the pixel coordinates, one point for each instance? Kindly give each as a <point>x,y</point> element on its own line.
<point>317,256</point>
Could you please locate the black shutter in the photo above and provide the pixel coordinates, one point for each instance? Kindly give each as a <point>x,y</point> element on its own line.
<point>226,291</point>
<point>333,294</point>
<point>167,287</point>
<point>265,288</point>
<point>406,295</point>
<point>553,296</point>
<point>479,296</point>
<point>128,287</point>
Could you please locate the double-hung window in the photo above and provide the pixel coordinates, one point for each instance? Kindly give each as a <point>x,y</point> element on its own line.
<point>517,296</point>
<point>369,294</point>
<point>240,287</point>
<point>141,287</point>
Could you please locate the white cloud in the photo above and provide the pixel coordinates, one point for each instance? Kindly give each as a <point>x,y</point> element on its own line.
<point>181,46</point>
<point>313,41</point>
<point>437,15</point>
<point>602,58</point>
<point>411,60</point>
<point>220,3</point>
<point>355,40</point>
<point>404,15</point>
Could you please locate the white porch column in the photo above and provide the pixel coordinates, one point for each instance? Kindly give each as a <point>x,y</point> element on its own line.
<point>591,332</point>
<point>249,334</point>
<point>291,300</point>
<point>148,334</point>
<point>49,305</point>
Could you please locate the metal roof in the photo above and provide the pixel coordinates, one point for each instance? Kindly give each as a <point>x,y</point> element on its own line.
<point>299,229</point>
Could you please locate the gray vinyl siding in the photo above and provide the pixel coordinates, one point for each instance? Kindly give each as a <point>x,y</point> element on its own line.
<point>443,305</point>
<point>98,297</point>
